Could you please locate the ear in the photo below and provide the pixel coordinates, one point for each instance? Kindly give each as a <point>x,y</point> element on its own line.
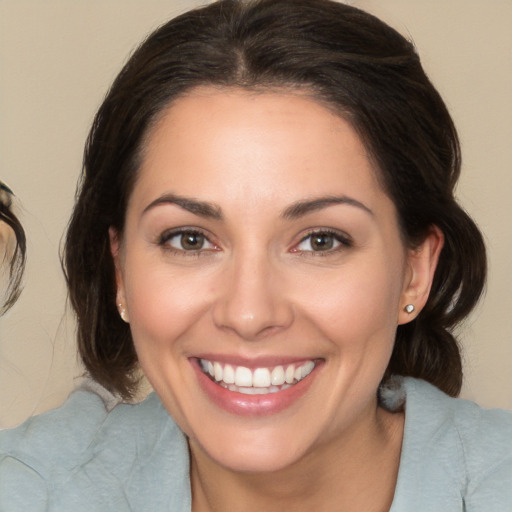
<point>422,264</point>
<point>115,249</point>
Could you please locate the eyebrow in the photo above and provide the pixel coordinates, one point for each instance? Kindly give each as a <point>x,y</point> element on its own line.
<point>302,208</point>
<point>294,211</point>
<point>201,208</point>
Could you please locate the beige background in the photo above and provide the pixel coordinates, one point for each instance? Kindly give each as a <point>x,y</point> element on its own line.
<point>57,58</point>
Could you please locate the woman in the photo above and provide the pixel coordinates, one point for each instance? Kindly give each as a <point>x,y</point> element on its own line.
<point>266,227</point>
<point>12,249</point>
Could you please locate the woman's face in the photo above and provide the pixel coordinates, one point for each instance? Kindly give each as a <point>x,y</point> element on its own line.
<point>260,248</point>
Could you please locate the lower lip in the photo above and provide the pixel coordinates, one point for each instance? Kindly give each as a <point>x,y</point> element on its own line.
<point>252,405</point>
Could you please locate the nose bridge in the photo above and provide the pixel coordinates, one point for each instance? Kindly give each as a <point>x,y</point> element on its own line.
<point>252,303</point>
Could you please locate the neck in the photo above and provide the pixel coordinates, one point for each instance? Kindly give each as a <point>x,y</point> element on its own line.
<point>353,472</point>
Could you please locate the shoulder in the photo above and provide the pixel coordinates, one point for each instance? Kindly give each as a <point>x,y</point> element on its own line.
<point>481,432</point>
<point>82,449</point>
<point>63,436</point>
<point>456,450</point>
<point>29,452</point>
<point>83,412</point>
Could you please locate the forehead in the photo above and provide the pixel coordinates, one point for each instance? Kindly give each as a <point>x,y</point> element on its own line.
<point>228,140</point>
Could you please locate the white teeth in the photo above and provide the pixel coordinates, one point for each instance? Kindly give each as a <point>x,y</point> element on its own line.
<point>247,391</point>
<point>290,374</point>
<point>243,376</point>
<point>217,368</point>
<point>257,381</point>
<point>229,374</point>
<point>261,378</point>
<point>277,377</point>
<point>306,369</point>
<point>257,391</point>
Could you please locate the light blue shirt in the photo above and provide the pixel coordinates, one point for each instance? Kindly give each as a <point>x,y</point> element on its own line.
<point>455,456</point>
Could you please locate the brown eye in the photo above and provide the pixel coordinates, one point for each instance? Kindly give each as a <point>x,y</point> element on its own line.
<point>322,241</point>
<point>192,241</point>
<point>186,241</point>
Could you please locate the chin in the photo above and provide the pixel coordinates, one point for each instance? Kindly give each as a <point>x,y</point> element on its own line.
<point>265,456</point>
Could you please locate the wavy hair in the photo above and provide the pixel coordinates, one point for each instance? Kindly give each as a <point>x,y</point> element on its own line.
<point>347,59</point>
<point>14,259</point>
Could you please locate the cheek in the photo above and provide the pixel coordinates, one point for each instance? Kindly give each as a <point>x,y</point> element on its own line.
<point>356,305</point>
<point>162,304</point>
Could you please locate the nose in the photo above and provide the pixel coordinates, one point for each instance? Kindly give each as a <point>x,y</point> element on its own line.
<point>252,301</point>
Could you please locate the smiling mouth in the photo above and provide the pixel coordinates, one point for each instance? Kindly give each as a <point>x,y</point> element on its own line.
<point>257,381</point>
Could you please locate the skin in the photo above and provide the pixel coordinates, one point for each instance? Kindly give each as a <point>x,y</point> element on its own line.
<point>257,289</point>
<point>6,233</point>
<point>7,241</point>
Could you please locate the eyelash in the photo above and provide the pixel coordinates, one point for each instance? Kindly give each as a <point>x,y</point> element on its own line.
<point>165,238</point>
<point>342,239</point>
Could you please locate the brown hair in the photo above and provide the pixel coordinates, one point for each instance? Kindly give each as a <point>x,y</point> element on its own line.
<point>349,60</point>
<point>16,258</point>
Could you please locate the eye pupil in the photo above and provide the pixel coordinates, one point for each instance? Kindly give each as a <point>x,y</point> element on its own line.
<point>322,242</point>
<point>192,241</point>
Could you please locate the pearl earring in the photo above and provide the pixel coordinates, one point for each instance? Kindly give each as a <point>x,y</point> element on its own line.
<point>409,308</point>
<point>122,313</point>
